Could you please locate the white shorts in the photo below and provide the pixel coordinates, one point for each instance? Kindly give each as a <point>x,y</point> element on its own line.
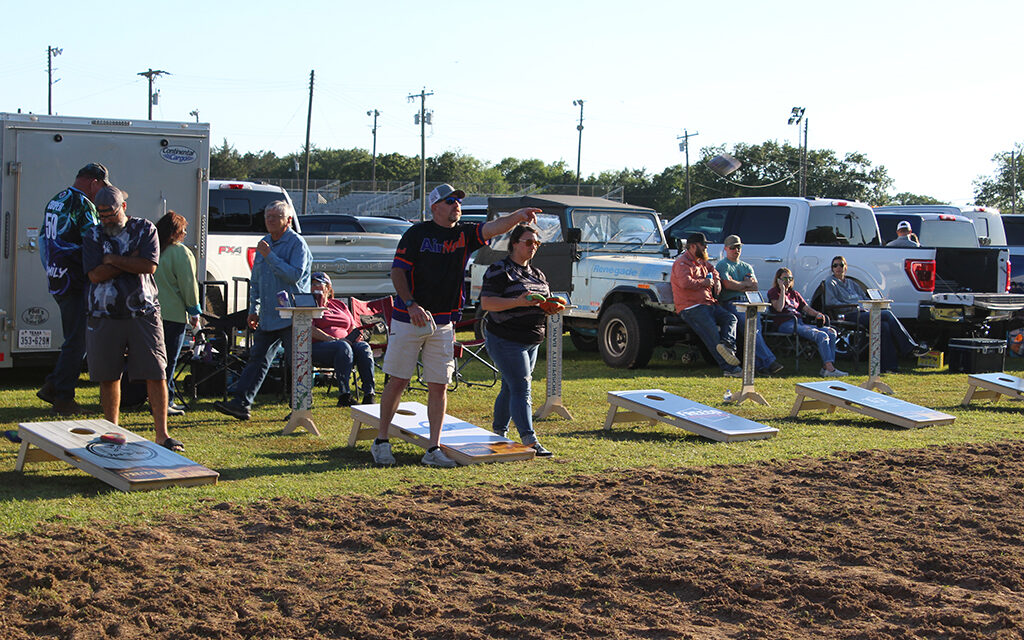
<point>403,352</point>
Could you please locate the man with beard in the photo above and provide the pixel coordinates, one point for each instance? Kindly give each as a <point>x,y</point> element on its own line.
<point>69,216</point>
<point>120,257</point>
<point>695,284</point>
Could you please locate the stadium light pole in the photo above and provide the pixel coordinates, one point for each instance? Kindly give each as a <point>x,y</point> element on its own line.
<point>795,117</point>
<point>50,53</point>
<point>579,147</point>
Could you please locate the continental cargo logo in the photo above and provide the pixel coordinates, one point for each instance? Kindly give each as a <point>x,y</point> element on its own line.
<point>178,154</point>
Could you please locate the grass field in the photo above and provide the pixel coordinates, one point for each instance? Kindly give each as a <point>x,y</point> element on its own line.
<point>257,463</point>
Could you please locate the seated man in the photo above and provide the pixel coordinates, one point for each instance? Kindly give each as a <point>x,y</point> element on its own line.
<point>338,342</point>
<point>695,283</point>
<point>737,278</point>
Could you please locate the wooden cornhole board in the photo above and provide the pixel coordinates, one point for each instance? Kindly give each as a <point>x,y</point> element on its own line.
<point>832,394</point>
<point>993,385</point>
<point>653,405</point>
<point>463,442</point>
<point>136,465</point>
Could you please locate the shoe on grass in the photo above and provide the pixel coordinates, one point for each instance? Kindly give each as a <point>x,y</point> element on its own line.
<point>835,373</point>
<point>775,367</point>
<point>369,398</point>
<point>66,407</point>
<point>920,350</point>
<point>233,409</point>
<point>735,372</point>
<point>346,400</point>
<point>382,453</point>
<point>437,458</point>
<point>175,410</point>
<point>541,451</point>
<point>47,393</point>
<point>727,354</point>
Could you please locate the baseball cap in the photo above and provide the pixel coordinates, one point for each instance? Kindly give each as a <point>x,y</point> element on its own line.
<point>96,171</point>
<point>732,241</point>
<point>321,277</point>
<point>444,191</point>
<point>109,197</point>
<point>696,238</point>
<point>903,225</point>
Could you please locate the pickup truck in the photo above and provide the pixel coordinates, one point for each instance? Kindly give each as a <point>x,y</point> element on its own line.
<point>937,292</point>
<point>610,260</point>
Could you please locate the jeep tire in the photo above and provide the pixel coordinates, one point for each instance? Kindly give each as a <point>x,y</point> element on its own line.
<point>625,336</point>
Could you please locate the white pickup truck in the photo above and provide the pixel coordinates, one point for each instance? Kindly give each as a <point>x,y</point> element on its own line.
<point>940,292</point>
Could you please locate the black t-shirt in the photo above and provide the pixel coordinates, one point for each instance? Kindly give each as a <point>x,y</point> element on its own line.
<point>506,279</point>
<point>434,258</point>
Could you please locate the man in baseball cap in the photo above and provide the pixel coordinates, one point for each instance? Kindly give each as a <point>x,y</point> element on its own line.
<point>442,192</point>
<point>95,171</point>
<point>906,237</point>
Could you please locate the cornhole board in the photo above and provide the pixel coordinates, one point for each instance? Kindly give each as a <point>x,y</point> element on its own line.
<point>993,385</point>
<point>832,394</point>
<point>653,405</point>
<point>463,442</point>
<point>136,465</point>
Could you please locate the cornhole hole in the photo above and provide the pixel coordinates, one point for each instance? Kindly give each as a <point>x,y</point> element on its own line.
<point>463,442</point>
<point>136,465</point>
<point>993,385</point>
<point>831,394</point>
<point>654,405</point>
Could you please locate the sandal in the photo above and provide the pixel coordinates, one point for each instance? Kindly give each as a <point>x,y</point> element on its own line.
<point>173,445</point>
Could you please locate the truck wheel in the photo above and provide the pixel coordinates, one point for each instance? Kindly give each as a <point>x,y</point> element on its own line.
<point>583,342</point>
<point>625,337</point>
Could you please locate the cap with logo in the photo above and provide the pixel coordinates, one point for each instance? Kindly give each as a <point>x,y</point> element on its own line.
<point>733,241</point>
<point>95,171</point>
<point>903,225</point>
<point>444,191</point>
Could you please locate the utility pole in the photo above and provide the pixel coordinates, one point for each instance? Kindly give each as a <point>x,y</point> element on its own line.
<point>795,117</point>
<point>1013,171</point>
<point>309,119</point>
<point>422,118</point>
<point>685,146</point>
<point>373,166</point>
<point>579,147</point>
<point>150,74</point>
<point>194,112</point>
<point>803,164</point>
<point>50,53</point>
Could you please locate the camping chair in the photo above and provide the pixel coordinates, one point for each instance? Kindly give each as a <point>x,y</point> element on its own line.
<point>215,359</point>
<point>472,353</point>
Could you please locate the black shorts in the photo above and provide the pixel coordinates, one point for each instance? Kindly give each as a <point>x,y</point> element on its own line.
<point>139,342</point>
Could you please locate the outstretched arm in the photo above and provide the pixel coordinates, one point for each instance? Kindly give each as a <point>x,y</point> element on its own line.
<point>504,224</point>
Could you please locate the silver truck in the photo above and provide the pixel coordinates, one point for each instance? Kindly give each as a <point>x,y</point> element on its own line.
<point>162,165</point>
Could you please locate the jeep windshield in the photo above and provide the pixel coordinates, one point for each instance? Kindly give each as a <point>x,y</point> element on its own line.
<point>617,229</point>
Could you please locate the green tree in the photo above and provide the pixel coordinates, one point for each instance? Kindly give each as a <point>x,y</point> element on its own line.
<point>226,163</point>
<point>997,190</point>
<point>905,197</point>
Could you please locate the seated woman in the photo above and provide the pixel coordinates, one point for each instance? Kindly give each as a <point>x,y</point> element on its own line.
<point>846,294</point>
<point>788,306</point>
<point>338,341</point>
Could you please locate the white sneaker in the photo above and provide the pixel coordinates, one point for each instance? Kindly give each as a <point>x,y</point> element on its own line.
<point>382,453</point>
<point>437,458</point>
<point>835,373</point>
<point>727,354</point>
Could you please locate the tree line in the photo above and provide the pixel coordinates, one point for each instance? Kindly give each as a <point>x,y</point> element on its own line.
<point>767,169</point>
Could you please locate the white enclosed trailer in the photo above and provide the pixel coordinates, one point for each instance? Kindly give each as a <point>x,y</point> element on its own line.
<point>161,165</point>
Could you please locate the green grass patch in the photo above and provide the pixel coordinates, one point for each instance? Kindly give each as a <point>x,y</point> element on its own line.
<point>256,462</point>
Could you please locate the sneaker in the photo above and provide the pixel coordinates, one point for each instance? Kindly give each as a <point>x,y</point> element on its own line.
<point>369,398</point>
<point>175,410</point>
<point>735,372</point>
<point>47,393</point>
<point>775,367</point>
<point>437,458</point>
<point>918,351</point>
<point>233,409</point>
<point>175,405</point>
<point>727,354</point>
<point>541,451</point>
<point>346,400</point>
<point>382,453</point>
<point>66,407</point>
<point>501,433</point>
<point>835,373</point>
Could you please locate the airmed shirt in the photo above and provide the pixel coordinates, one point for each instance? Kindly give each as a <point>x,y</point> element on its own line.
<point>68,217</point>
<point>434,259</point>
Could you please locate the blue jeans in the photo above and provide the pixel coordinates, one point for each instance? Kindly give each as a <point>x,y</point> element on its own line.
<point>69,363</point>
<point>895,339</point>
<point>515,361</point>
<point>712,324</point>
<point>340,354</point>
<point>825,337</point>
<point>763,356</point>
<point>261,355</point>
<point>174,337</point>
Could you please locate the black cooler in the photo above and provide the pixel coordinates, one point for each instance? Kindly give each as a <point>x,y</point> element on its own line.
<point>975,355</point>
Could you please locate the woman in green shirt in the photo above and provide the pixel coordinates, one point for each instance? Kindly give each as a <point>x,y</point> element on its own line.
<point>178,294</point>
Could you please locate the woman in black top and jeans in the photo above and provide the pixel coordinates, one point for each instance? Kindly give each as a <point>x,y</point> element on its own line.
<point>512,294</point>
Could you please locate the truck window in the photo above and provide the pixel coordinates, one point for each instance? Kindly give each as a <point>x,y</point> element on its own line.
<point>948,233</point>
<point>841,226</point>
<point>1014,231</point>
<point>239,211</point>
<point>760,224</point>
<point>710,221</point>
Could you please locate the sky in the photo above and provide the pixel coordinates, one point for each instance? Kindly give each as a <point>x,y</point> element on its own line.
<point>931,90</point>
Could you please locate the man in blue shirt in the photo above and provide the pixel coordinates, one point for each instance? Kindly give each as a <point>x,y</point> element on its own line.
<point>283,263</point>
<point>68,217</point>
<point>738,278</point>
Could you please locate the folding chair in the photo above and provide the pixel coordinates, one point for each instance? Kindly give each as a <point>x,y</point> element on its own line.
<point>468,352</point>
<point>215,357</point>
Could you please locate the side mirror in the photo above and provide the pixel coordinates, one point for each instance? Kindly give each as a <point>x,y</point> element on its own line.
<point>573,235</point>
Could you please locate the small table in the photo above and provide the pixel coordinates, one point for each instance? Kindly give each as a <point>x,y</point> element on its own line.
<point>874,380</point>
<point>750,311</point>
<point>302,367</point>
<point>553,398</point>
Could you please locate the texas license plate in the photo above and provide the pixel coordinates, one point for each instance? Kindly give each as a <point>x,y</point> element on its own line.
<point>33,338</point>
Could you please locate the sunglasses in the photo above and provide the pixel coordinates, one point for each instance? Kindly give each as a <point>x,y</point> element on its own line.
<point>786,278</point>
<point>452,200</point>
<point>535,243</point>
<point>735,246</point>
<point>837,265</point>
<point>104,211</point>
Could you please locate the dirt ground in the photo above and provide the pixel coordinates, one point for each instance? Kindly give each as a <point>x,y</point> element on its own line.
<point>926,543</point>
